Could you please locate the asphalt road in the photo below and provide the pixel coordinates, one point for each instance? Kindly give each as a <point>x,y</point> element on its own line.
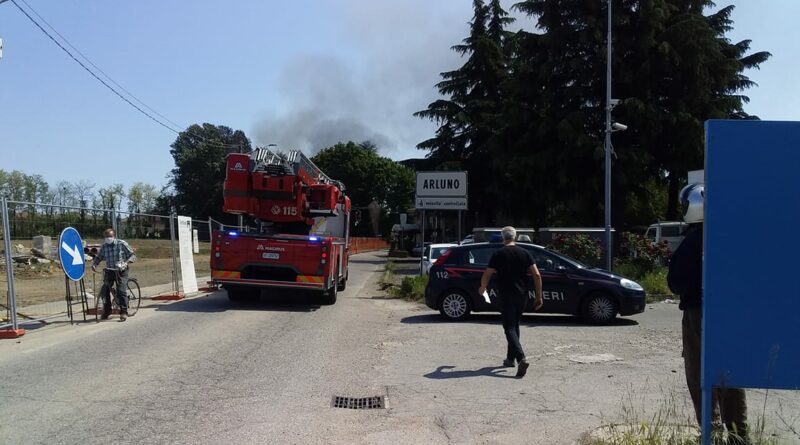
<point>204,370</point>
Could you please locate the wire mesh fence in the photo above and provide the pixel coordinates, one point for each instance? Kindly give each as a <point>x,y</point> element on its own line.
<point>39,281</point>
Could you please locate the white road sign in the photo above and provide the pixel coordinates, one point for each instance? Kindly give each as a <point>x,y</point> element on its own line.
<point>446,203</point>
<point>442,184</point>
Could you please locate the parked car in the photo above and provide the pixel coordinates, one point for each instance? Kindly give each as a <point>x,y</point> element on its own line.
<point>669,231</point>
<point>569,287</point>
<point>431,253</point>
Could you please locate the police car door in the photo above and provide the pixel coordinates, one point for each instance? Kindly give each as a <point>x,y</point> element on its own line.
<point>476,261</point>
<point>559,289</point>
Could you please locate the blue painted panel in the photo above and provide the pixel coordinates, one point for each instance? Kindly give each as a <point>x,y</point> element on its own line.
<point>751,303</point>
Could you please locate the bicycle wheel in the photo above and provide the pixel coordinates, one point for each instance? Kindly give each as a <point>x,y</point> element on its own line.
<point>134,296</point>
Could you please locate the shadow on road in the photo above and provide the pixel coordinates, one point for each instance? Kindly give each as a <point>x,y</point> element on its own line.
<point>219,302</point>
<point>447,372</point>
<point>527,320</point>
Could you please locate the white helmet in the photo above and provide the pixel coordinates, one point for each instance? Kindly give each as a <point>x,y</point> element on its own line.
<point>692,199</point>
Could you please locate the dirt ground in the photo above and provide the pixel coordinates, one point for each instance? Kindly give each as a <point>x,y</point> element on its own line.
<point>583,377</point>
<point>44,283</point>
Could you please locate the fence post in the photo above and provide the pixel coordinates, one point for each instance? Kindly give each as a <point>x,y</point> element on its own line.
<point>12,297</point>
<point>114,220</point>
<point>175,286</point>
<point>210,230</point>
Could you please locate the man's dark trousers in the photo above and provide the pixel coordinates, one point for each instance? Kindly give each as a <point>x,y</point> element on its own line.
<point>728,404</point>
<point>120,279</point>
<point>512,306</point>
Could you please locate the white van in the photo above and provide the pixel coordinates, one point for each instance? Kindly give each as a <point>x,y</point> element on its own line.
<point>669,231</point>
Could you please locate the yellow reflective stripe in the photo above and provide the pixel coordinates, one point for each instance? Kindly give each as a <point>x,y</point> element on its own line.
<point>225,274</point>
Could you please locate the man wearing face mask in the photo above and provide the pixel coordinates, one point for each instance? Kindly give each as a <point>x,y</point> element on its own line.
<point>117,254</point>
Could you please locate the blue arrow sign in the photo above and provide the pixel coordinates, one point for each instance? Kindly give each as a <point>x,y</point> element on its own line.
<point>70,253</point>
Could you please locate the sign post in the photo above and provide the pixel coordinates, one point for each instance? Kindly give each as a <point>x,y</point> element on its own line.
<point>70,254</point>
<point>440,190</point>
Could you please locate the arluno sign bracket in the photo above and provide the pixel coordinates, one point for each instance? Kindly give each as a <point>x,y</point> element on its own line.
<point>440,190</point>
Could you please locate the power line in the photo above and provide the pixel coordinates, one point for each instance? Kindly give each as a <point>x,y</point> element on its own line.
<point>89,61</point>
<point>93,74</point>
<point>72,56</point>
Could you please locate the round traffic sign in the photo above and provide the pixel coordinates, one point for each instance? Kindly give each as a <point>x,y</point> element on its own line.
<point>70,253</point>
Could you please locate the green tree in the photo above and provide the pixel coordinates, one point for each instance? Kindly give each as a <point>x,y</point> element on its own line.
<point>142,198</point>
<point>110,197</point>
<point>695,73</point>
<point>200,153</point>
<point>468,115</point>
<point>674,68</point>
<point>367,176</point>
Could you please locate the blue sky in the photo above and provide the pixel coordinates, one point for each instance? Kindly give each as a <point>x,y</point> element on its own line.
<point>302,73</point>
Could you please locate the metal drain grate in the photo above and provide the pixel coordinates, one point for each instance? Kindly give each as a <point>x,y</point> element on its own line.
<point>376,402</point>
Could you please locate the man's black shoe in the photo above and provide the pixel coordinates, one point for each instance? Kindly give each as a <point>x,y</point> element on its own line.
<point>104,316</point>
<point>123,316</point>
<point>522,369</point>
<point>508,363</point>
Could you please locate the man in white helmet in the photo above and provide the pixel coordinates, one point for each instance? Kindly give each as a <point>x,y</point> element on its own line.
<point>685,278</point>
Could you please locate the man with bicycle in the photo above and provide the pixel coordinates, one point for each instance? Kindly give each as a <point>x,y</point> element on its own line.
<point>117,254</point>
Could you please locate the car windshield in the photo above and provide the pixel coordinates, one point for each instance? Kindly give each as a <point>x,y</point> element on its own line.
<point>436,252</point>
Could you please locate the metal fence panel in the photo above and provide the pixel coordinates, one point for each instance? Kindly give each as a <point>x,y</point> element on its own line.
<point>34,231</point>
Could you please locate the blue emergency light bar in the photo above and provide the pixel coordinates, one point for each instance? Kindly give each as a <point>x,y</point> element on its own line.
<point>233,233</point>
<point>313,238</point>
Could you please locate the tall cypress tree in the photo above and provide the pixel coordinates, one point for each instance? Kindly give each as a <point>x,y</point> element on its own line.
<point>673,68</point>
<point>693,72</point>
<point>468,115</point>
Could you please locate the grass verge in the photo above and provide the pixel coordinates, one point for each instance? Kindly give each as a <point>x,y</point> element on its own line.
<point>672,424</point>
<point>410,288</point>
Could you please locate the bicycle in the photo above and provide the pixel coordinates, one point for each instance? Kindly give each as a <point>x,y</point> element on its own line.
<point>134,296</point>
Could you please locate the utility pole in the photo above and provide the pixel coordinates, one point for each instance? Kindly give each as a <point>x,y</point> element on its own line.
<point>608,145</point>
<point>1,39</point>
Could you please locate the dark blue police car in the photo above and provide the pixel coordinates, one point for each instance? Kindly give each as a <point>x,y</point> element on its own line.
<point>569,287</point>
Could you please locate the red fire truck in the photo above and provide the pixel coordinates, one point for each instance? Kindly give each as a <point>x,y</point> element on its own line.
<point>302,235</point>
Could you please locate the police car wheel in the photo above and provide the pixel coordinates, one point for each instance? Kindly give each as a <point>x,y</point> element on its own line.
<point>599,309</point>
<point>454,305</point>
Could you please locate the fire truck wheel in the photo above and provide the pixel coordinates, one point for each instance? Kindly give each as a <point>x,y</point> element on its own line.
<point>329,296</point>
<point>343,283</point>
<point>237,293</point>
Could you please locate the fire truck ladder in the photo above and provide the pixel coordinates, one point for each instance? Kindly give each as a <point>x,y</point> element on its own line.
<point>270,162</point>
<point>302,163</point>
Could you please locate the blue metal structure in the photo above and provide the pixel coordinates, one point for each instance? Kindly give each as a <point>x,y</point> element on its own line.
<point>751,303</point>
